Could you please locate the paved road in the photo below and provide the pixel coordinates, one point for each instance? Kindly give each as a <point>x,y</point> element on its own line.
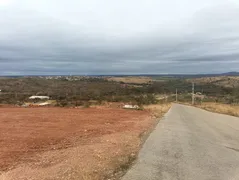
<point>190,144</point>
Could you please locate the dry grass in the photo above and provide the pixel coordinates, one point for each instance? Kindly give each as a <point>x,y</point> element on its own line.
<point>159,110</point>
<point>131,79</point>
<point>232,110</point>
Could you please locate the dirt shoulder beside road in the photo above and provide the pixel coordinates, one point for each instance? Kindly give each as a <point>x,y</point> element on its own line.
<point>63,143</point>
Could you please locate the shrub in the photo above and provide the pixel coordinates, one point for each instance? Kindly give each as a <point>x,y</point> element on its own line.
<point>86,104</point>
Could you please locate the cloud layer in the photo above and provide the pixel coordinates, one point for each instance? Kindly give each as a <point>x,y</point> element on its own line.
<point>118,37</point>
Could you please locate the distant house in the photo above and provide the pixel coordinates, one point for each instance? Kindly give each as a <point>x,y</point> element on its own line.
<point>199,95</point>
<point>39,97</point>
<point>130,106</point>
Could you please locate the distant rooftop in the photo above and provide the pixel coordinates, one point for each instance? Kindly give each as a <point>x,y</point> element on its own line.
<point>39,97</point>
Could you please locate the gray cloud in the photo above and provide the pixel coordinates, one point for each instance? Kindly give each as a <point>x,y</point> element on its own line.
<point>37,39</point>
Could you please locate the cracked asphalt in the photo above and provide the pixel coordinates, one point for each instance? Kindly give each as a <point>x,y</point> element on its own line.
<point>190,144</point>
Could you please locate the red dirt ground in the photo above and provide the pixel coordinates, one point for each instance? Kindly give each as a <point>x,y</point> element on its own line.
<point>26,132</point>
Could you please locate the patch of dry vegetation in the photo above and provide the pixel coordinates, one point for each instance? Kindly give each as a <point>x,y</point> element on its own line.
<point>131,79</point>
<point>158,110</point>
<point>232,110</point>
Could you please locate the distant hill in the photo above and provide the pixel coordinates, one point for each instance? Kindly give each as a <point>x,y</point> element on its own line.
<point>223,81</point>
<point>231,74</point>
<point>141,75</point>
<point>177,75</point>
<point>201,75</point>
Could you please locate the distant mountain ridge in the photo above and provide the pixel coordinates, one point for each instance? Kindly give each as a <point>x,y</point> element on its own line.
<point>233,73</point>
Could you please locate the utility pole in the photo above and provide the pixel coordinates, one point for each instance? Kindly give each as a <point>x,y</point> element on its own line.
<point>192,93</point>
<point>176,95</point>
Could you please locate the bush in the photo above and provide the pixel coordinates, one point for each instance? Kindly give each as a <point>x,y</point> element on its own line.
<point>86,104</point>
<point>62,103</point>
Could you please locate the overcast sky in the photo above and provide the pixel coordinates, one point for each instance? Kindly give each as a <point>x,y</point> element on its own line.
<point>42,37</point>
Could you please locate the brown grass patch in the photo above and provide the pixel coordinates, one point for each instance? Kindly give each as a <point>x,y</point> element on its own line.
<point>131,79</point>
<point>158,110</point>
<point>232,110</point>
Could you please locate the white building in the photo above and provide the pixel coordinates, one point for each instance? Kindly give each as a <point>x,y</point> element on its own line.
<point>131,106</point>
<point>39,97</point>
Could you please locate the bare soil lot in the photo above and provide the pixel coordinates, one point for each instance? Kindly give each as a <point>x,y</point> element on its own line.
<point>67,143</point>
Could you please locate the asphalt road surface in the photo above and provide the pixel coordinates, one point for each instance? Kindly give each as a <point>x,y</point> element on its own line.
<point>190,144</point>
